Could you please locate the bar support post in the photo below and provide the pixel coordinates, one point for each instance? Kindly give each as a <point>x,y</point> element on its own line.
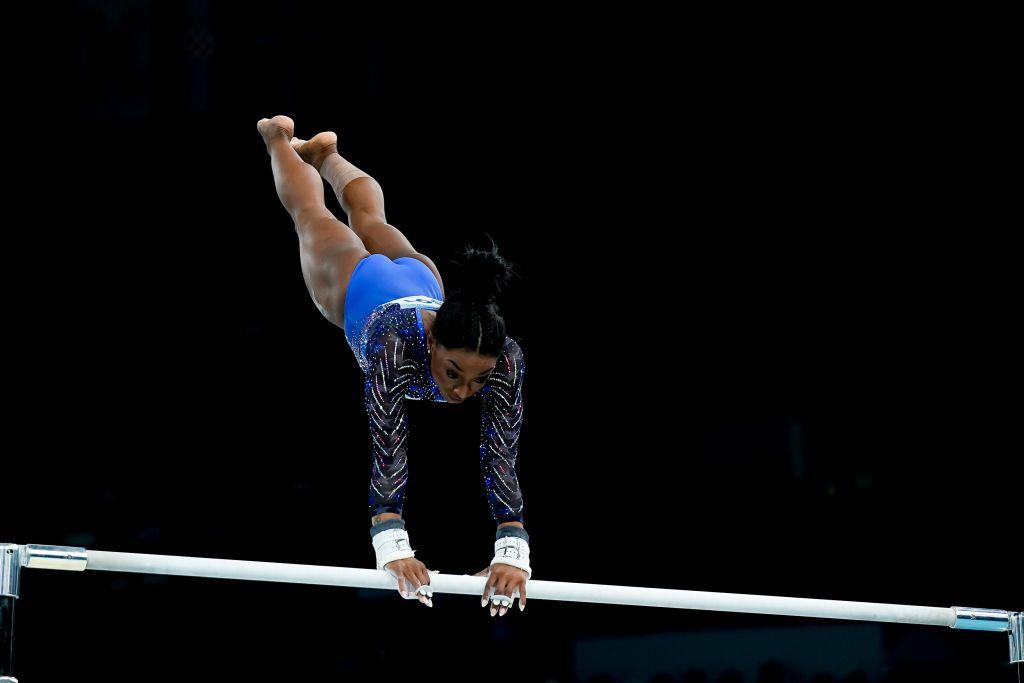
<point>10,576</point>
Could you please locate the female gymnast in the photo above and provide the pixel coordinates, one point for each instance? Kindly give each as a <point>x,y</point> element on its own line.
<point>413,343</point>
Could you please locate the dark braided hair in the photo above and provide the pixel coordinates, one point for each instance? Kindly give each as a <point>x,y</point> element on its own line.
<point>469,318</point>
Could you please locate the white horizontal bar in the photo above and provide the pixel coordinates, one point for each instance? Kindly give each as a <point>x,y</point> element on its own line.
<point>536,590</point>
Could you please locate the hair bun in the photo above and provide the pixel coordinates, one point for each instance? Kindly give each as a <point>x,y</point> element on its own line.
<point>485,274</point>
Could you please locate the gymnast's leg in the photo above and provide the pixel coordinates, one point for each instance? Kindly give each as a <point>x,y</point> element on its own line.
<point>362,198</point>
<point>328,249</point>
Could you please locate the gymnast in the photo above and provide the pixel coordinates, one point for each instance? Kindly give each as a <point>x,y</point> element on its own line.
<point>413,343</point>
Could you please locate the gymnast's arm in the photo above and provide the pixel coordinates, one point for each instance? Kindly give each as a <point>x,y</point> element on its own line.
<point>500,424</point>
<point>501,420</point>
<point>387,377</point>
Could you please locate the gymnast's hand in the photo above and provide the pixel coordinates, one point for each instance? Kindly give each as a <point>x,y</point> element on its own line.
<point>413,579</point>
<point>504,579</point>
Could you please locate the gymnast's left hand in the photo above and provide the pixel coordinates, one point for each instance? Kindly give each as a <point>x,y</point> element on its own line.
<point>504,579</point>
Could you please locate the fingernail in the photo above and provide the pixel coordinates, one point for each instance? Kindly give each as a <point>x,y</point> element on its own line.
<point>430,603</point>
<point>493,611</point>
<point>483,602</point>
<point>503,610</point>
<point>522,607</point>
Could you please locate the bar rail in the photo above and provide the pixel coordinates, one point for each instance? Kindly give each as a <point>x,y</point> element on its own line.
<point>80,559</point>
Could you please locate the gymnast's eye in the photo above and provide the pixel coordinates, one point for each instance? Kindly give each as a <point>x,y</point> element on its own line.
<point>452,375</point>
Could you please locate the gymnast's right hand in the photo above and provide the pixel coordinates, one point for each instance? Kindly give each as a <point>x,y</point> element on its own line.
<point>413,579</point>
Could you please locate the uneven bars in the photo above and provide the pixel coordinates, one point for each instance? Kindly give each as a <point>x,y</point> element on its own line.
<point>13,557</point>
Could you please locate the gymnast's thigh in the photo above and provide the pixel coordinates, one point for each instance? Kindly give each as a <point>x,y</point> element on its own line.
<point>329,254</point>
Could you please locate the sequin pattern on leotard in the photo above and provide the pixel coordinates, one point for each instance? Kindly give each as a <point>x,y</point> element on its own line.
<point>397,368</point>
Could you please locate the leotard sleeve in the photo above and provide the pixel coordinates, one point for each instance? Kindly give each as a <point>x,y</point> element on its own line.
<point>501,418</point>
<point>388,375</point>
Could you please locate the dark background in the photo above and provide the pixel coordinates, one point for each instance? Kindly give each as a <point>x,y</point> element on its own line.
<point>769,306</point>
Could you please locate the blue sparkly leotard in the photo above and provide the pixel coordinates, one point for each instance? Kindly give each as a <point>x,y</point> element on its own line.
<point>391,349</point>
<point>377,279</point>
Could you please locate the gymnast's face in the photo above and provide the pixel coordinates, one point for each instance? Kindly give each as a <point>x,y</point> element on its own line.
<point>459,373</point>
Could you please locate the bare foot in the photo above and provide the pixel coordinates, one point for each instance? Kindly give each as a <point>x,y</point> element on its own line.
<point>315,150</point>
<point>279,126</point>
